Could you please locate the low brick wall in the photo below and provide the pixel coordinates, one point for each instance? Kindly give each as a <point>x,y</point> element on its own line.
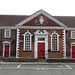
<point>19,60</point>
<point>61,60</point>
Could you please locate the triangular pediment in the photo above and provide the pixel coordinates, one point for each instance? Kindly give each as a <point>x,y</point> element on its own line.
<point>41,18</point>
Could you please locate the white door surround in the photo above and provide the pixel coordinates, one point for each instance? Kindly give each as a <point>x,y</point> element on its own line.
<point>6,43</point>
<point>38,35</point>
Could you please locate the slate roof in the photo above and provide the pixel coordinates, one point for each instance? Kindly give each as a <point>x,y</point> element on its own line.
<point>67,20</point>
<point>12,20</point>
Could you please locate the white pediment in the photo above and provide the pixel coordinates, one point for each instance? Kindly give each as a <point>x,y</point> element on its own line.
<point>41,32</point>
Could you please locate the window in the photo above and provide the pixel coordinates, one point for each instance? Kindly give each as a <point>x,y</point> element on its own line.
<point>72,34</point>
<point>54,42</point>
<point>7,33</point>
<point>27,41</point>
<point>41,39</point>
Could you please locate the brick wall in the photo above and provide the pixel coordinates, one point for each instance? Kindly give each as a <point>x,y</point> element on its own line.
<point>30,54</point>
<point>35,22</point>
<point>68,43</point>
<point>1,40</point>
<point>12,40</point>
<point>13,43</point>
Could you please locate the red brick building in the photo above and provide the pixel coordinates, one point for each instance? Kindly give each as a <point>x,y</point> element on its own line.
<point>37,36</point>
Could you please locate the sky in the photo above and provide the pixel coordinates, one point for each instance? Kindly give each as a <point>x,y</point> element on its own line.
<point>28,7</point>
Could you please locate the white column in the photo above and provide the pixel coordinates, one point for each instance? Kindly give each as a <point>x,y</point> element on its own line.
<point>64,44</point>
<point>17,43</point>
<point>46,46</point>
<point>35,47</point>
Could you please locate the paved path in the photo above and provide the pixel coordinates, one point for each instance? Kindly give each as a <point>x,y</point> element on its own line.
<point>30,68</point>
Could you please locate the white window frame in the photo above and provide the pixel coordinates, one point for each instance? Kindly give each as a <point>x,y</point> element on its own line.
<point>71,34</point>
<point>9,33</point>
<point>24,40</point>
<point>57,41</point>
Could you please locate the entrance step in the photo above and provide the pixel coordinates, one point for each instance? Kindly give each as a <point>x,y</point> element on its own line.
<point>42,60</point>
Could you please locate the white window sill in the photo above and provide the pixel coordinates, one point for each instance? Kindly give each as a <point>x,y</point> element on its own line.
<point>7,37</point>
<point>73,38</point>
<point>54,51</point>
<point>27,51</point>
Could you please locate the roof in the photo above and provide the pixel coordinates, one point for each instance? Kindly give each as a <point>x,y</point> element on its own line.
<point>13,20</point>
<point>67,20</point>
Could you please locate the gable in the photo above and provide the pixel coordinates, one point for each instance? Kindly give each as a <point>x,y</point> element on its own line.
<point>47,20</point>
<point>35,22</point>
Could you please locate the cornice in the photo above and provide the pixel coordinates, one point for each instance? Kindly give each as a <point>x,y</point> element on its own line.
<point>36,27</point>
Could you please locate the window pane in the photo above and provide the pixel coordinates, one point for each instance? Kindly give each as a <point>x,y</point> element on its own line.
<point>27,42</point>
<point>54,42</point>
<point>73,34</point>
<point>41,39</point>
<point>7,35</point>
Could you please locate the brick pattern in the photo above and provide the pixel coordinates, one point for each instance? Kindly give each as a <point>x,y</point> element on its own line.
<point>56,54</point>
<point>35,22</point>
<point>68,43</point>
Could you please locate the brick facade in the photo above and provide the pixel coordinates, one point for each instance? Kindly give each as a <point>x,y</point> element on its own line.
<point>32,24</point>
<point>12,40</point>
<point>30,54</point>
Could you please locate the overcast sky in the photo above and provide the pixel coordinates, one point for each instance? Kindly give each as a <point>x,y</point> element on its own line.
<point>28,7</point>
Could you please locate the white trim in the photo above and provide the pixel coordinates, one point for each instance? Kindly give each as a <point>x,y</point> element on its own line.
<point>4,43</point>
<point>44,13</point>
<point>64,44</point>
<point>70,28</point>
<point>57,41</point>
<point>24,39</point>
<point>9,33</point>
<point>38,32</point>
<point>71,50</point>
<point>40,27</point>
<point>17,43</point>
<point>8,27</point>
<point>71,34</point>
<point>43,34</point>
<point>36,27</point>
